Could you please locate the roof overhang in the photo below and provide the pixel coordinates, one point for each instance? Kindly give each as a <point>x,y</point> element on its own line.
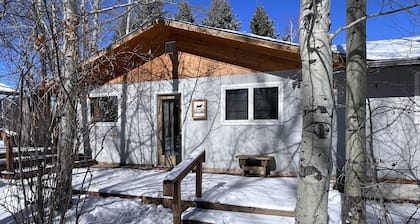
<point>393,62</point>
<point>7,90</point>
<point>249,51</point>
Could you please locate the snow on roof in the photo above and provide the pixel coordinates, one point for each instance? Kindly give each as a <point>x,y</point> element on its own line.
<point>241,33</point>
<point>251,35</point>
<point>7,90</point>
<point>236,32</point>
<point>404,48</point>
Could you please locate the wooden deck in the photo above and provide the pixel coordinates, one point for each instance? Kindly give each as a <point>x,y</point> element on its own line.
<point>223,193</point>
<point>167,202</point>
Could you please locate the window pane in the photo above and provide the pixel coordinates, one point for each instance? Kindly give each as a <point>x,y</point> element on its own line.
<point>266,103</point>
<point>237,104</point>
<point>104,109</point>
<point>168,126</point>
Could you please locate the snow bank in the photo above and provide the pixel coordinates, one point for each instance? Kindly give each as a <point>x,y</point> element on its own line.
<point>117,210</point>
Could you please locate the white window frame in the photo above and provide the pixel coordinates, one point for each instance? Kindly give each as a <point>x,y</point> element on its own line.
<point>102,123</point>
<point>251,87</point>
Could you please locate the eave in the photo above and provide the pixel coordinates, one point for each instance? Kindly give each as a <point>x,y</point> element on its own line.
<point>138,47</point>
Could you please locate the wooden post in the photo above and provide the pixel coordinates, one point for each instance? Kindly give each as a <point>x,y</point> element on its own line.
<point>198,179</point>
<point>242,165</point>
<point>9,150</point>
<point>264,166</point>
<point>172,182</point>
<point>176,203</point>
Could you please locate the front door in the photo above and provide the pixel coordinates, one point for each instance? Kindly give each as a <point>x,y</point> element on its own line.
<point>169,123</point>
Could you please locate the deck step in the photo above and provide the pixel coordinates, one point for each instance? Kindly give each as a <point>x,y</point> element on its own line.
<point>208,216</point>
<point>29,160</point>
<point>27,152</point>
<point>27,172</point>
<point>32,171</point>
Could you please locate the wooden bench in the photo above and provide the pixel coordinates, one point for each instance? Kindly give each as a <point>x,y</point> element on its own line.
<point>253,164</point>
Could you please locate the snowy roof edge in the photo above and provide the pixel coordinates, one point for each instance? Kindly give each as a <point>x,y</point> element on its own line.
<point>153,22</point>
<point>393,62</point>
<point>403,49</point>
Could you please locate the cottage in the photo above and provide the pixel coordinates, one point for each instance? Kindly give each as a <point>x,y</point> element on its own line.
<point>172,87</point>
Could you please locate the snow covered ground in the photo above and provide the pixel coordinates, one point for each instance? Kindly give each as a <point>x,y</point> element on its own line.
<point>117,210</point>
<point>272,193</point>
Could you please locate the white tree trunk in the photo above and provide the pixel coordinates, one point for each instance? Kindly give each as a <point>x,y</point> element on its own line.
<point>315,163</point>
<point>95,28</point>
<point>66,144</point>
<point>128,19</point>
<point>356,74</point>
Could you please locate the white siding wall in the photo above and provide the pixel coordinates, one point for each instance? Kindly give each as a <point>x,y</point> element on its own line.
<point>396,137</point>
<point>133,139</point>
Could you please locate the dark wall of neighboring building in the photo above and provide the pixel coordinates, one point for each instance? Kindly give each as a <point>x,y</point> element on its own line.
<point>396,81</point>
<point>392,81</point>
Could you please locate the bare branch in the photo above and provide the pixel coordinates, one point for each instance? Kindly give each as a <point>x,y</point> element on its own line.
<point>129,4</point>
<point>3,13</point>
<point>334,35</point>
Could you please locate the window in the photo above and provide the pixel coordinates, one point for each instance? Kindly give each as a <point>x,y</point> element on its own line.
<point>104,109</point>
<point>251,103</point>
<point>237,104</point>
<point>266,103</point>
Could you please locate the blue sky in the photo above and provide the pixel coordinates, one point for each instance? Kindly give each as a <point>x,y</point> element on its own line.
<point>397,25</point>
<point>281,11</point>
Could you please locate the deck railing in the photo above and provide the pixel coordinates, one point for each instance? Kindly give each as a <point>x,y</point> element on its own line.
<point>7,136</point>
<point>172,181</point>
